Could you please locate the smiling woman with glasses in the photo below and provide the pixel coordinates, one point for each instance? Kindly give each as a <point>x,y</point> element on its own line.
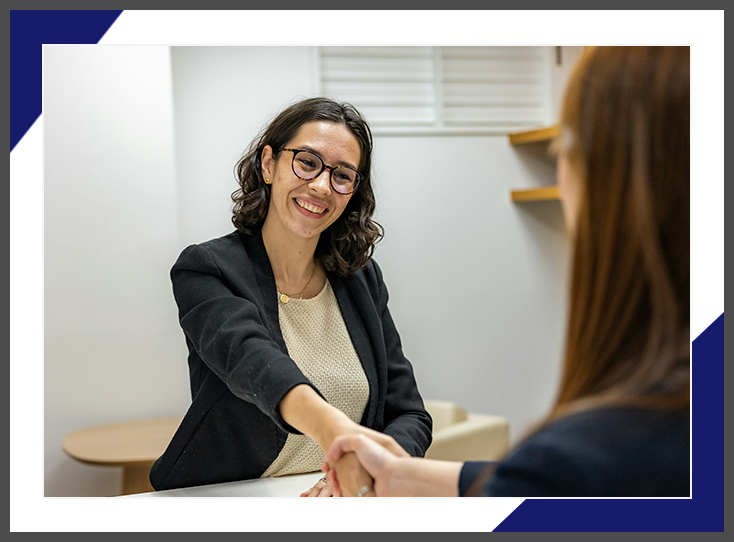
<point>291,343</point>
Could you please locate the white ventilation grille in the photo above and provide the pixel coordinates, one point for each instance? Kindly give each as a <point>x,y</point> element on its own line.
<point>440,89</point>
<point>501,87</point>
<point>392,86</point>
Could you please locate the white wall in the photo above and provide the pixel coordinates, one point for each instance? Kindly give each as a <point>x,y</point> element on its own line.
<point>223,96</point>
<point>113,350</point>
<point>477,283</point>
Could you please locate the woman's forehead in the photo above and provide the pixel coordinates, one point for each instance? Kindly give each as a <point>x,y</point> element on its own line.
<point>330,138</point>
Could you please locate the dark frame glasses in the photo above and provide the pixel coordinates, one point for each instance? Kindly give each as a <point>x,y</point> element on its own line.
<point>349,176</point>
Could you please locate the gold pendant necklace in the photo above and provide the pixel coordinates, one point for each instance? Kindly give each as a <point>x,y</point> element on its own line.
<point>284,297</point>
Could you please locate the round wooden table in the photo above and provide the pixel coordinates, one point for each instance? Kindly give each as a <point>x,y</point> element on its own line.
<point>134,446</point>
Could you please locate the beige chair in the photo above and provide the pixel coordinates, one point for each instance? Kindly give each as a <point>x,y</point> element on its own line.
<point>459,435</point>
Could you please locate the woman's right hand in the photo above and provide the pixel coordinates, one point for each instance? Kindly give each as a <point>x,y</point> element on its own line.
<point>308,412</point>
<point>348,476</point>
<point>377,460</point>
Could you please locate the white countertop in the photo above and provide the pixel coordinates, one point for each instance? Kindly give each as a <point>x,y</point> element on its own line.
<point>284,486</point>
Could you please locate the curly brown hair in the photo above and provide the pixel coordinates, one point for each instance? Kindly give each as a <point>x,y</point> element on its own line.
<point>347,245</point>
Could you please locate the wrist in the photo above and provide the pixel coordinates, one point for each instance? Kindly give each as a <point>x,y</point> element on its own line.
<point>332,423</point>
<point>393,474</point>
<point>309,413</point>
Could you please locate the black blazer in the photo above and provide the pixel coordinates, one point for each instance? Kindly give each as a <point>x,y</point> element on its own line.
<point>605,452</point>
<point>239,367</point>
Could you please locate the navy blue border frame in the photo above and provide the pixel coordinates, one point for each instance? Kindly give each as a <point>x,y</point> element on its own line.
<point>704,512</point>
<point>30,29</point>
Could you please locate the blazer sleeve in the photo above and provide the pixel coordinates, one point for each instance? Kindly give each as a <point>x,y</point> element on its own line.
<point>229,333</point>
<point>406,418</point>
<point>542,468</point>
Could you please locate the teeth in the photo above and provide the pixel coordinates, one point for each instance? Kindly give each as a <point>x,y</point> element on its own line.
<point>310,207</point>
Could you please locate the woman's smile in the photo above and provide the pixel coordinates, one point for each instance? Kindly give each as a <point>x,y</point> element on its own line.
<point>310,207</point>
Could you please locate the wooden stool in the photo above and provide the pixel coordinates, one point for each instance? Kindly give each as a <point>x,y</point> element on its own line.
<point>134,446</point>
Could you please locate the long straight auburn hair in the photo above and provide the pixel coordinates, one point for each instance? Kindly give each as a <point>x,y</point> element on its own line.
<point>625,132</point>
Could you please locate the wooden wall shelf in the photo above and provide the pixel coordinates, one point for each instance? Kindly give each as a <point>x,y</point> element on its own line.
<point>533,136</point>
<point>547,193</point>
<point>540,135</point>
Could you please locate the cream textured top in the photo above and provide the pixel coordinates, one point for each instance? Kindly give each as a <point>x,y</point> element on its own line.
<point>319,343</point>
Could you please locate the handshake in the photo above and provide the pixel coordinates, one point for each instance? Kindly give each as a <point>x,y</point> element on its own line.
<point>360,465</point>
<point>370,464</point>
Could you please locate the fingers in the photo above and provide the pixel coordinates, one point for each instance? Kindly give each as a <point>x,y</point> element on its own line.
<point>351,475</point>
<point>382,439</point>
<point>322,488</point>
<point>373,462</point>
<point>331,478</point>
<point>386,441</point>
<point>340,446</point>
<point>326,491</point>
<point>335,484</point>
<point>391,444</point>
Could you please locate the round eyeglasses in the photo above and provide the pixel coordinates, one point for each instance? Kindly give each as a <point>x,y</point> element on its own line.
<point>308,166</point>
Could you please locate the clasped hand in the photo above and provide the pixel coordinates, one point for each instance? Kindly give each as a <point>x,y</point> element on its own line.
<point>346,474</point>
<point>352,455</point>
<point>305,410</point>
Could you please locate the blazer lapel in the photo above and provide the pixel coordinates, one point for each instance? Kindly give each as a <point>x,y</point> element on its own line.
<point>362,345</point>
<point>265,279</point>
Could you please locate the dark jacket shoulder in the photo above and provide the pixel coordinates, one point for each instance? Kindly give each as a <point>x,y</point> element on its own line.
<point>609,452</point>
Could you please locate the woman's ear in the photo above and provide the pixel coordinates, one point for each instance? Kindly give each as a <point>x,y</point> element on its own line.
<point>267,162</point>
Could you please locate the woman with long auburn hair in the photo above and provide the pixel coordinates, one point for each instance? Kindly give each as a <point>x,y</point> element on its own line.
<point>620,425</point>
